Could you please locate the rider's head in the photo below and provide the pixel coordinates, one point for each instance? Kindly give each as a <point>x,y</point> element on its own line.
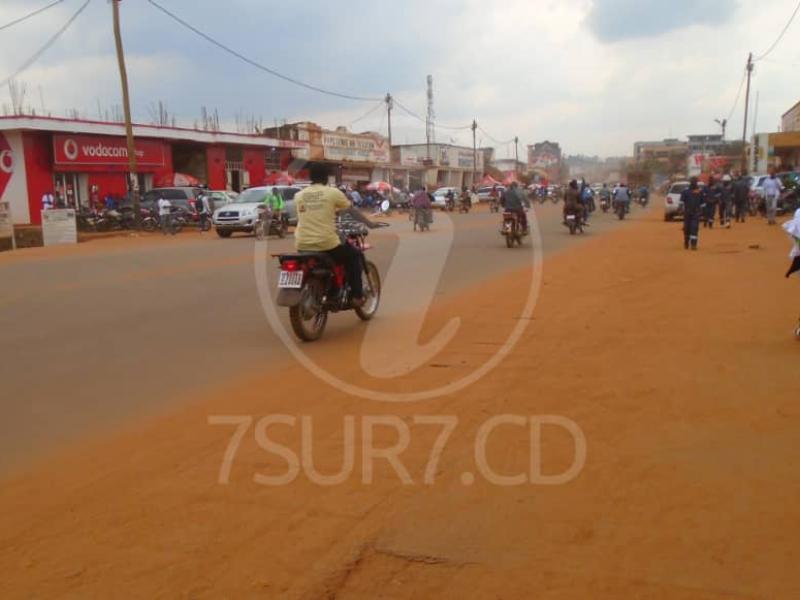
<point>274,190</point>
<point>693,184</point>
<point>318,173</point>
<point>573,184</point>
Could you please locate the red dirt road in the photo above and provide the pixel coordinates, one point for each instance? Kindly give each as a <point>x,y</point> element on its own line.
<point>678,367</point>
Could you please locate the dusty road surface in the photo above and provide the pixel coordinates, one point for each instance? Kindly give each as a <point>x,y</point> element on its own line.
<point>677,370</point>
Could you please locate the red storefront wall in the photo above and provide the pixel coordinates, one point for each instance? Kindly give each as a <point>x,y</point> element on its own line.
<point>37,148</point>
<point>255,164</point>
<point>215,163</point>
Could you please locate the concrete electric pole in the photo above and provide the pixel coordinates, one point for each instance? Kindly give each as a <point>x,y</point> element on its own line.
<point>746,110</point>
<point>474,152</point>
<point>126,106</point>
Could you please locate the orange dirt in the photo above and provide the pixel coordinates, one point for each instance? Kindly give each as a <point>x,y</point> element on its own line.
<point>678,367</point>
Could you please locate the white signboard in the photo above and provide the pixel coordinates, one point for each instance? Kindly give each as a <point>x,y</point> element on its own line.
<point>59,227</point>
<point>355,148</point>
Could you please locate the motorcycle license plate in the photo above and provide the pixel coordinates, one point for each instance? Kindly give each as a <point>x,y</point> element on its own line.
<point>570,217</point>
<point>290,279</point>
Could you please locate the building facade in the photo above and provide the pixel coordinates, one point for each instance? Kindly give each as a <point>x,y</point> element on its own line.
<point>436,165</point>
<point>76,160</point>
<point>544,161</point>
<point>356,158</point>
<point>663,151</point>
<point>790,121</point>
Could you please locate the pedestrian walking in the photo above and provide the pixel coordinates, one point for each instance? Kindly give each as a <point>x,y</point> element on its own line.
<point>693,200</point>
<point>204,212</point>
<point>712,196</point>
<point>772,190</point>
<point>726,201</point>
<point>741,198</point>
<point>165,215</point>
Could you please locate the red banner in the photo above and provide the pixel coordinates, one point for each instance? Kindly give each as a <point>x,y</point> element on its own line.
<point>103,150</point>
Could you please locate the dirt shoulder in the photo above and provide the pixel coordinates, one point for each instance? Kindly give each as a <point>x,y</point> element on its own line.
<point>678,367</point>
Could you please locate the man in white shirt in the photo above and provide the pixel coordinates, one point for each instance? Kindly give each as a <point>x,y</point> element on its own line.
<point>48,202</point>
<point>165,215</point>
<point>772,190</point>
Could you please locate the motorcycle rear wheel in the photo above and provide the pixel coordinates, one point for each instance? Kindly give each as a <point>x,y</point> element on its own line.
<point>259,231</point>
<point>372,292</point>
<point>509,240</point>
<point>307,317</point>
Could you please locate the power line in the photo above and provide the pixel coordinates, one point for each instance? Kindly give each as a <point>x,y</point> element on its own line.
<point>29,15</point>
<point>495,140</point>
<point>738,95</point>
<point>422,119</point>
<point>38,54</point>
<point>258,65</point>
<point>368,113</point>
<point>780,37</point>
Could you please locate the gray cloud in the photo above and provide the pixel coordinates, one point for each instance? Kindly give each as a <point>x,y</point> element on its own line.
<point>618,20</point>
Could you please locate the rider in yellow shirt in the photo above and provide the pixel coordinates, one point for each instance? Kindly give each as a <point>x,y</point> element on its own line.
<point>316,227</point>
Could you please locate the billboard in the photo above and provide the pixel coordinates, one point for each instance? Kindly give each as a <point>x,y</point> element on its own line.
<point>91,150</point>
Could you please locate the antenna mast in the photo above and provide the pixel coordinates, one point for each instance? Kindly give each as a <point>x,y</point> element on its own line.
<point>430,129</point>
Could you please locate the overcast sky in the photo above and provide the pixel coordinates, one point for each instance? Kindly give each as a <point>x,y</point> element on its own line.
<point>594,75</point>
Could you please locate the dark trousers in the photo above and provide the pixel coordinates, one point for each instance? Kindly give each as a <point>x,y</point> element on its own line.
<point>691,230</point>
<point>741,211</point>
<point>353,261</point>
<point>708,213</point>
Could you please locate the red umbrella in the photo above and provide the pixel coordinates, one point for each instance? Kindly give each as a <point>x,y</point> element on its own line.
<point>379,186</point>
<point>278,178</point>
<point>176,179</point>
<point>488,181</point>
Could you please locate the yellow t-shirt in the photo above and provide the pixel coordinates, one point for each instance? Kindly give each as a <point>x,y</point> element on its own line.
<point>316,217</point>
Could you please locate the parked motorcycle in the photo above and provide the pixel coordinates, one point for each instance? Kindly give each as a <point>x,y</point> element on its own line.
<point>512,229</point>
<point>312,285</point>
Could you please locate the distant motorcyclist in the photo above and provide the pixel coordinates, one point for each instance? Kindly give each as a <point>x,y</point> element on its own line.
<point>572,201</point>
<point>725,201</point>
<point>644,195</point>
<point>622,197</point>
<point>514,201</point>
<point>713,194</point>
<point>605,196</point>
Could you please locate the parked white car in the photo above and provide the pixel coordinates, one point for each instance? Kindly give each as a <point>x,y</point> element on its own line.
<point>440,196</point>
<point>242,214</point>
<point>673,207</point>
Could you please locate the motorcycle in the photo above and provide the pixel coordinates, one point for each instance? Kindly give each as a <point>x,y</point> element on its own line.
<point>604,204</point>
<point>464,205</point>
<point>312,285</point>
<point>269,223</point>
<point>621,208</point>
<point>449,204</point>
<point>512,229</point>
<point>494,205</point>
<point>574,223</point>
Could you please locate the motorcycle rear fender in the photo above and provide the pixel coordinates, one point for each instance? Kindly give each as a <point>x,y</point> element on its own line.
<point>288,297</point>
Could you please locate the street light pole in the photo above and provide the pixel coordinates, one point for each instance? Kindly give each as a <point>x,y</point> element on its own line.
<point>126,107</point>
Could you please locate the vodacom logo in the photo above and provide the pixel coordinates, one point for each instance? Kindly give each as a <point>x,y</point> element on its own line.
<point>70,149</point>
<point>7,161</point>
<point>390,347</point>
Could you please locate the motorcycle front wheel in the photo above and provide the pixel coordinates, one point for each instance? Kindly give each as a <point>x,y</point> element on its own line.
<point>258,231</point>
<point>372,292</point>
<point>308,318</point>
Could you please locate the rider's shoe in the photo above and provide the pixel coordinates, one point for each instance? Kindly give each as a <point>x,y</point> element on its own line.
<point>357,302</point>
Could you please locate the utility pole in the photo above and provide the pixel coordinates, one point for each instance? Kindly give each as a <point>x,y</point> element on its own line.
<point>126,106</point>
<point>389,107</point>
<point>724,124</point>
<point>474,151</point>
<point>516,154</point>
<point>746,110</point>
<point>755,140</point>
